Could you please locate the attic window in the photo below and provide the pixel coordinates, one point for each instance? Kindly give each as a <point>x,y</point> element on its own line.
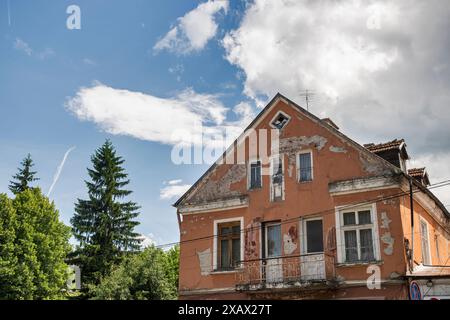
<point>280,121</point>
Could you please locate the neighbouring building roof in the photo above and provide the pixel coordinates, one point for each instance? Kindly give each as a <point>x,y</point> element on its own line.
<point>391,145</point>
<point>420,174</point>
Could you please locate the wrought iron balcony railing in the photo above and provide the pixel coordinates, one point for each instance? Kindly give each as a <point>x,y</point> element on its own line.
<point>299,270</point>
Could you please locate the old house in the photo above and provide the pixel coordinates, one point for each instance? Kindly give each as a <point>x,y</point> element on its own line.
<point>315,215</point>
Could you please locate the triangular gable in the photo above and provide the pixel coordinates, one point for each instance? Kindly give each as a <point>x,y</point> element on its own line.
<point>279,97</point>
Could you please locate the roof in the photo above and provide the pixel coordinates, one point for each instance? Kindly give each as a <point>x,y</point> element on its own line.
<point>416,172</point>
<point>391,145</point>
<point>331,123</point>
<point>430,271</point>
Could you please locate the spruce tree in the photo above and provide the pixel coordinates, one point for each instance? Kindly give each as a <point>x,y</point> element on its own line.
<point>103,224</point>
<point>24,177</point>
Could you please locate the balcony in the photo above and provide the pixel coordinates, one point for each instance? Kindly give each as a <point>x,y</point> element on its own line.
<point>300,271</point>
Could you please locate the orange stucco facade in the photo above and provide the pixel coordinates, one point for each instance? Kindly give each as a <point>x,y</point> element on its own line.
<point>345,177</point>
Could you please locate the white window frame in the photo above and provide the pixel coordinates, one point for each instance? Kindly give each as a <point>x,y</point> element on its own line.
<point>249,173</point>
<point>272,158</point>
<point>276,115</point>
<point>298,165</point>
<point>422,220</point>
<point>303,233</point>
<point>215,243</point>
<point>340,239</point>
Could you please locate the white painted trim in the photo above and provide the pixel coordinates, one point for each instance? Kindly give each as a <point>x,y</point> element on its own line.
<point>272,157</point>
<point>249,172</point>
<point>428,239</point>
<point>339,211</point>
<point>276,115</point>
<point>362,185</point>
<point>215,235</point>
<point>221,205</point>
<point>297,161</point>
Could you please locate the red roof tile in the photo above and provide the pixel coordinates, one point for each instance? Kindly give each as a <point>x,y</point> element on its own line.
<point>394,144</point>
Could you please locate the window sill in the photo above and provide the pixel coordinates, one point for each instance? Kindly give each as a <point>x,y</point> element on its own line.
<point>303,182</point>
<point>254,189</point>
<point>218,271</point>
<point>359,263</point>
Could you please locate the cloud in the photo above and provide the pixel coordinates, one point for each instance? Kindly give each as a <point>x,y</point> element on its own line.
<point>59,170</point>
<point>21,45</point>
<point>380,69</point>
<point>89,62</point>
<point>187,118</point>
<point>173,189</point>
<point>193,31</point>
<point>147,240</point>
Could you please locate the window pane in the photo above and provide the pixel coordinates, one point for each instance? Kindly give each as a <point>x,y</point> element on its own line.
<point>305,167</point>
<point>236,252</point>
<point>255,175</point>
<point>424,243</point>
<point>273,241</point>
<point>224,260</point>
<point>349,218</point>
<point>351,250</point>
<point>364,217</point>
<point>225,230</point>
<point>365,238</point>
<point>236,230</point>
<point>314,236</point>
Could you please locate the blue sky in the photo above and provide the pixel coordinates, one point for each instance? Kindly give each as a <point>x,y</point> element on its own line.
<point>376,68</point>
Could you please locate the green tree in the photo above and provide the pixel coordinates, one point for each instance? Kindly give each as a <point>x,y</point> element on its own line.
<point>103,225</point>
<point>24,177</point>
<point>40,244</point>
<point>140,276</point>
<point>8,258</point>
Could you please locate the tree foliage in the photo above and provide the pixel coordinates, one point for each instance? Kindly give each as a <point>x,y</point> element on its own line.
<point>24,176</point>
<point>35,249</point>
<point>148,275</point>
<point>103,225</point>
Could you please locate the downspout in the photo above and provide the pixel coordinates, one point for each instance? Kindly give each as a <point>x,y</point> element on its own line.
<point>411,204</point>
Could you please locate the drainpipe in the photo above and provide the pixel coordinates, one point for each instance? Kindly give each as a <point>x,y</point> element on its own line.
<point>411,204</point>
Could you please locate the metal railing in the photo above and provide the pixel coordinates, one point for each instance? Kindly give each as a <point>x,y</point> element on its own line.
<point>298,269</point>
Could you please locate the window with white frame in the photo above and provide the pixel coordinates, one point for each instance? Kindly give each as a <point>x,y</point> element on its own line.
<point>425,242</point>
<point>357,235</point>
<point>228,245</point>
<point>255,180</point>
<point>277,180</point>
<point>305,166</point>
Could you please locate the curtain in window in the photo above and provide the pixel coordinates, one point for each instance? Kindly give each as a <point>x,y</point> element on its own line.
<point>305,167</point>
<point>351,246</point>
<point>365,238</point>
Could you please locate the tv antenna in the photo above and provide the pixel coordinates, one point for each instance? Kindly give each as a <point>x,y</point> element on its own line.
<point>308,94</point>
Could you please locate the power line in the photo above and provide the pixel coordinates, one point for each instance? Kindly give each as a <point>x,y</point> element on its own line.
<point>323,212</point>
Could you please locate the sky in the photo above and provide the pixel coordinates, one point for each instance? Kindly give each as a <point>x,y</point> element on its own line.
<point>147,74</point>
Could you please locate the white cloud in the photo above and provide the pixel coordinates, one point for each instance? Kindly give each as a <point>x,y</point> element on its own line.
<point>147,240</point>
<point>193,31</point>
<point>173,189</point>
<point>179,119</point>
<point>21,45</point>
<point>379,68</point>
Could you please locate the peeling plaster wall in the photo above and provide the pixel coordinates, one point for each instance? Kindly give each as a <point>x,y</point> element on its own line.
<point>204,258</point>
<point>292,145</point>
<point>251,248</point>
<point>290,240</point>
<point>386,237</point>
<point>372,165</point>
<point>337,149</point>
<point>222,187</point>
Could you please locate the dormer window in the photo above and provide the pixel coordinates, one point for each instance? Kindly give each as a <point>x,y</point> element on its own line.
<point>280,121</point>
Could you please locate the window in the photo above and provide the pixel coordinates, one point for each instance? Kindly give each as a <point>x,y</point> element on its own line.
<point>357,235</point>
<point>228,245</point>
<point>273,240</point>
<point>305,167</point>
<point>276,188</point>
<point>314,235</point>
<point>280,121</point>
<point>255,175</point>
<point>426,259</point>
